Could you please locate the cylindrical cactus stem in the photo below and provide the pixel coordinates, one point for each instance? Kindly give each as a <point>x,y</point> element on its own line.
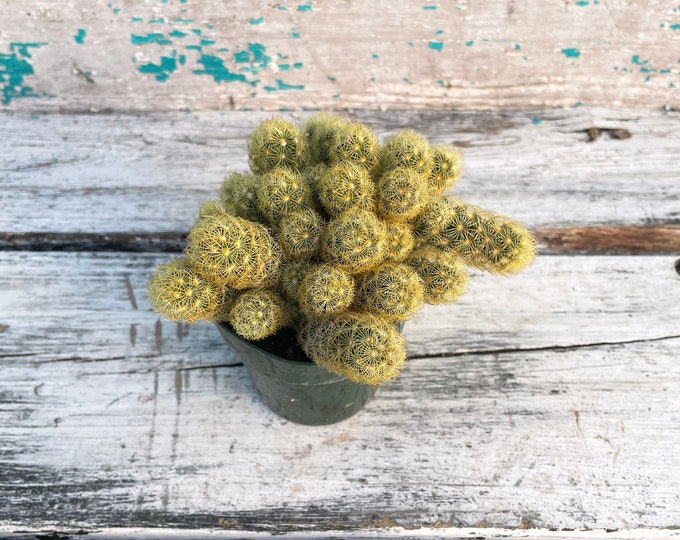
<point>325,290</point>
<point>482,238</point>
<point>345,186</point>
<point>407,149</point>
<point>299,233</point>
<point>355,143</point>
<point>281,192</point>
<point>233,251</point>
<point>393,290</point>
<point>399,242</point>
<point>447,166</point>
<point>320,131</point>
<point>275,143</point>
<point>362,347</point>
<point>228,295</point>
<point>443,275</point>
<point>401,193</point>
<point>292,273</point>
<point>355,241</point>
<point>214,208</point>
<point>258,313</point>
<point>239,191</point>
<point>180,293</point>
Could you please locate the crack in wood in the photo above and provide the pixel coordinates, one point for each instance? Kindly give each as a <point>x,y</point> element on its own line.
<point>548,348</point>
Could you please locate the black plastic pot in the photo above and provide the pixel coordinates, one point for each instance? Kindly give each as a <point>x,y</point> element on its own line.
<point>299,391</point>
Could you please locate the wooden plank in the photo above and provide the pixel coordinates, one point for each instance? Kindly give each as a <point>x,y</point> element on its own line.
<point>548,400</point>
<point>175,55</point>
<point>424,533</point>
<point>113,174</point>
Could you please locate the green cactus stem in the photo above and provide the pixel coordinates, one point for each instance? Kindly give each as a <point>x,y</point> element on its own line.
<point>401,194</point>
<point>444,277</point>
<point>363,348</point>
<point>325,290</point>
<point>355,143</point>
<point>233,251</point>
<point>320,132</point>
<point>408,149</point>
<point>299,233</point>
<point>275,143</point>
<point>258,313</point>
<point>292,273</point>
<point>447,167</point>
<point>281,192</point>
<point>394,291</point>
<point>345,186</point>
<point>239,191</point>
<point>355,241</point>
<point>399,241</point>
<point>180,293</point>
<point>482,238</point>
<point>227,299</point>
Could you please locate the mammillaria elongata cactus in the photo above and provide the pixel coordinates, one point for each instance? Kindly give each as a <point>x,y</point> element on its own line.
<point>339,237</point>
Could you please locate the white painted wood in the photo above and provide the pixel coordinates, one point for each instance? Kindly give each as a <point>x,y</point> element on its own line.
<point>424,533</point>
<point>102,425</point>
<point>148,174</point>
<point>208,55</point>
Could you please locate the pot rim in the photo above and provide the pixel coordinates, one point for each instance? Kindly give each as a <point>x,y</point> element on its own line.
<point>300,363</point>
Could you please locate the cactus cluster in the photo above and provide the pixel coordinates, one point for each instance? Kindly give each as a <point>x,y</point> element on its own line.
<point>341,237</point>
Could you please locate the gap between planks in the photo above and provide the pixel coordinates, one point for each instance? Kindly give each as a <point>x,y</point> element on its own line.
<point>596,239</point>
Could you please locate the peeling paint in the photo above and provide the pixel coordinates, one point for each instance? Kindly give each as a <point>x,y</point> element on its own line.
<point>571,53</point>
<point>14,68</point>
<point>150,38</point>
<point>257,20</point>
<point>80,36</point>
<point>436,45</point>
<point>305,7</point>
<point>214,66</point>
<point>280,85</point>
<point>162,70</point>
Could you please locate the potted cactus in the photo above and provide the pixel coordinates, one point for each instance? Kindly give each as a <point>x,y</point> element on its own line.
<point>310,262</point>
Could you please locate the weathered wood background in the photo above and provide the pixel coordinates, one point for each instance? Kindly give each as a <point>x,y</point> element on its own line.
<point>120,55</point>
<point>544,405</point>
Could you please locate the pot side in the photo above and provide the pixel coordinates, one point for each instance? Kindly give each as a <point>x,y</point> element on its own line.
<point>300,391</point>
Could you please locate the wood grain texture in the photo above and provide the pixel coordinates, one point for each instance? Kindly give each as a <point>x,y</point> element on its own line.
<point>147,174</point>
<point>548,400</point>
<point>186,54</point>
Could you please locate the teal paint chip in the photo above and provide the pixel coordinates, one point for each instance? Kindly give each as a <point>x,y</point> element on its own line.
<point>571,53</point>
<point>537,121</point>
<point>158,38</point>
<point>136,19</point>
<point>430,7</point>
<point>80,36</point>
<point>280,85</point>
<point>214,67</point>
<point>257,20</point>
<point>436,45</point>
<point>178,33</point>
<point>159,20</point>
<point>294,34</point>
<point>305,7</point>
<point>163,70</point>
<point>470,43</point>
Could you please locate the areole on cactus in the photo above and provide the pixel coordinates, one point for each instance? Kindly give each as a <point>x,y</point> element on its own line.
<point>338,236</point>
